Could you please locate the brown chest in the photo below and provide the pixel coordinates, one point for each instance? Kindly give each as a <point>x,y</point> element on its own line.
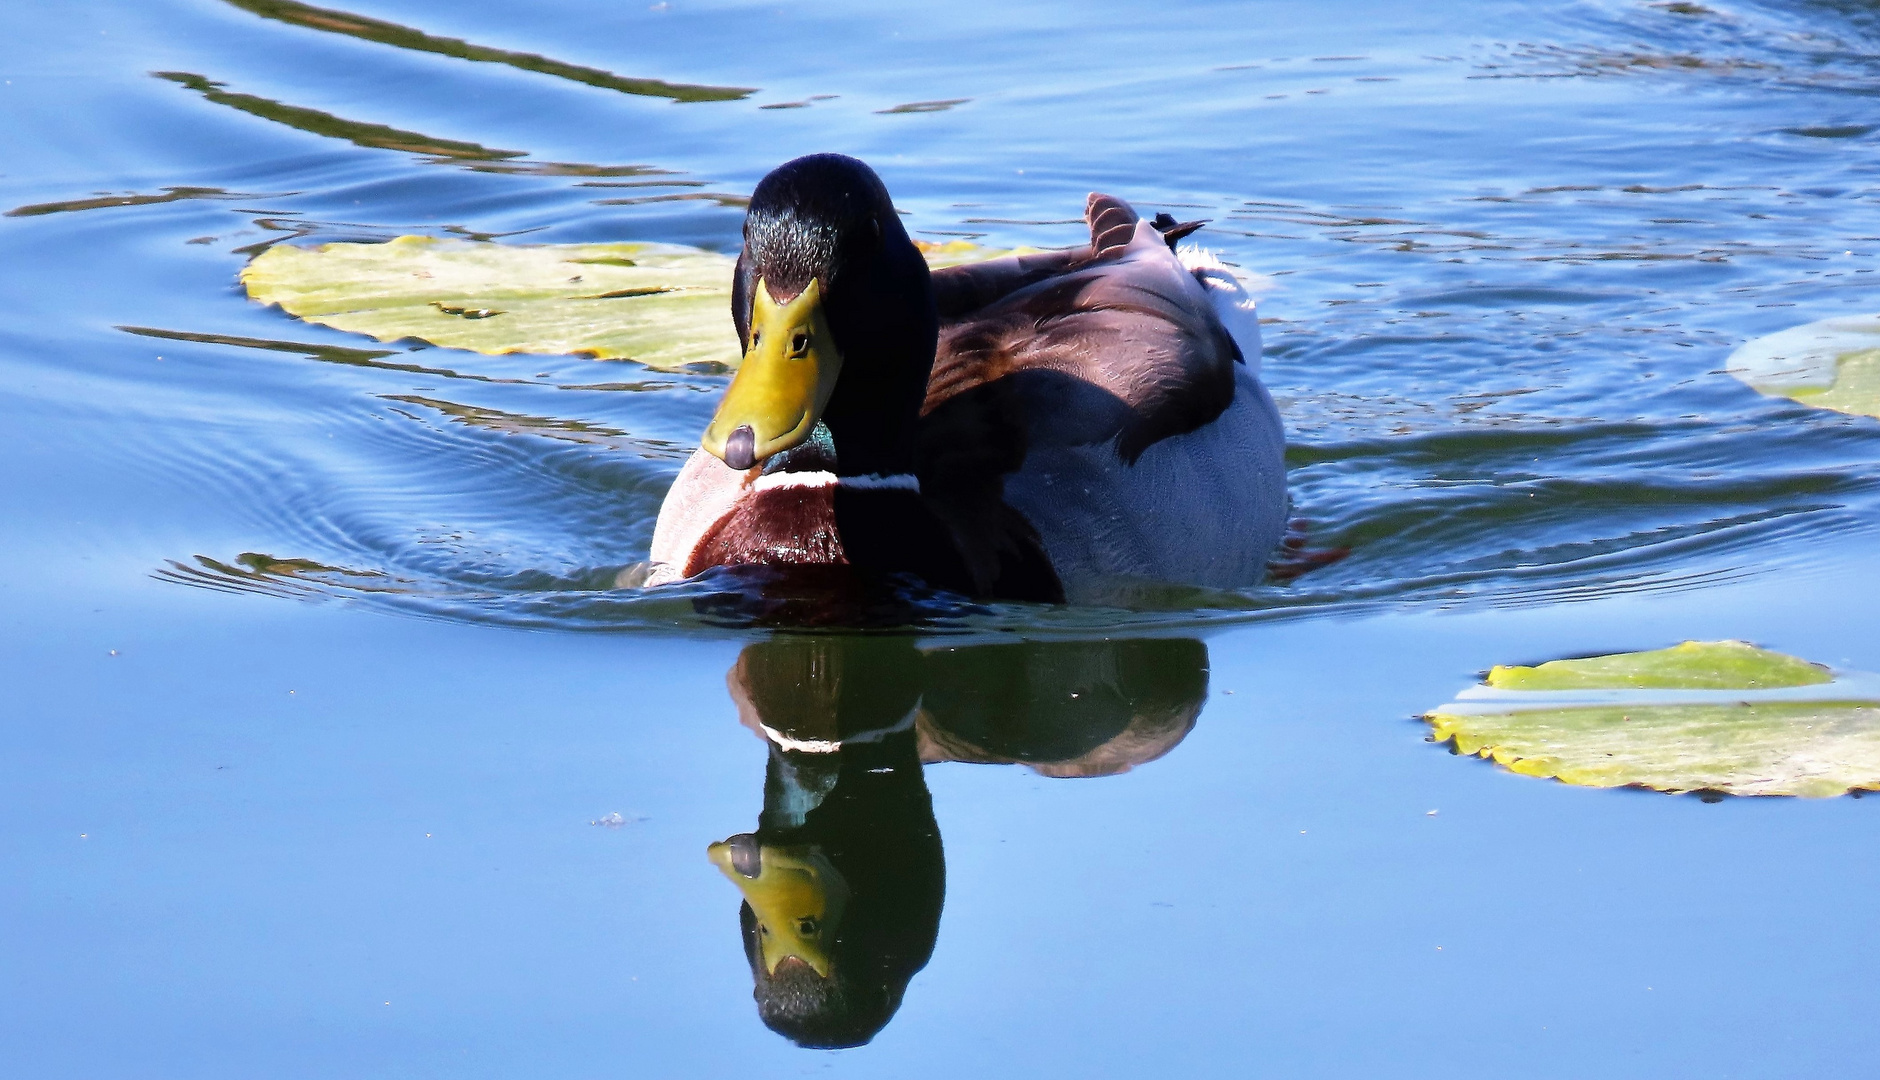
<point>780,526</point>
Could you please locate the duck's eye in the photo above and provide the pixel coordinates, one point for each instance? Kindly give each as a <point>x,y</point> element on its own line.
<point>756,336</point>
<point>807,926</point>
<point>799,344</point>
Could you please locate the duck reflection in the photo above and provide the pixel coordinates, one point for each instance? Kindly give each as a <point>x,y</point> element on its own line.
<point>844,878</point>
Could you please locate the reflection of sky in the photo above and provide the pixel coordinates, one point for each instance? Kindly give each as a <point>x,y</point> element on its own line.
<point>1504,283</point>
<point>256,861</point>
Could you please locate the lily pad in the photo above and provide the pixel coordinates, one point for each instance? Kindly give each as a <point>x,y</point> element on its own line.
<point>1702,716</point>
<point>1813,749</point>
<point>1830,364</point>
<point>667,307</point>
<point>960,252</point>
<point>1694,665</point>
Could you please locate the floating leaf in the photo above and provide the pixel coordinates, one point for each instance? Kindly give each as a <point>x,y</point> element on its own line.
<point>959,252</point>
<point>666,307</point>
<point>1694,665</point>
<point>1813,749</point>
<point>1830,364</point>
<point>1703,716</point>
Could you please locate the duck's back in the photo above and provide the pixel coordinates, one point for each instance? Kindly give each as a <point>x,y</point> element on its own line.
<point>1109,396</point>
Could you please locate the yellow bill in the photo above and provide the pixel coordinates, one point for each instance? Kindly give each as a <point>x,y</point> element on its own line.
<point>788,373</point>
<point>798,897</point>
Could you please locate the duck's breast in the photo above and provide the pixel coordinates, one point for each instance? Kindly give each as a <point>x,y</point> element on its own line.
<point>716,516</point>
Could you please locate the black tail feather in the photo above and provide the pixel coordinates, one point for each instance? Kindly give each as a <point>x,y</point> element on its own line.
<point>1172,230</point>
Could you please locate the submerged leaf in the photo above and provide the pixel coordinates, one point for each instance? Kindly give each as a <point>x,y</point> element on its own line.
<point>1719,716</point>
<point>1694,665</point>
<point>666,307</point>
<point>1830,364</point>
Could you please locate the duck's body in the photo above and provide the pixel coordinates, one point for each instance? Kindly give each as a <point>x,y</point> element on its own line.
<point>1041,427</point>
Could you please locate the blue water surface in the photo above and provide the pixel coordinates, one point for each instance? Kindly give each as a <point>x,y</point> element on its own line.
<point>330,749</point>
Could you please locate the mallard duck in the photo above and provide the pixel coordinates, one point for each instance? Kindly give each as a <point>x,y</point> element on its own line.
<point>1037,427</point>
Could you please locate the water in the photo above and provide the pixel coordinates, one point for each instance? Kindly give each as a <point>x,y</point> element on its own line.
<point>370,688</point>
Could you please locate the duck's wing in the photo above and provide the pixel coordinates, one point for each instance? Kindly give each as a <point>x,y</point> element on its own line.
<point>967,288</point>
<point>1113,343</point>
<point>961,290</point>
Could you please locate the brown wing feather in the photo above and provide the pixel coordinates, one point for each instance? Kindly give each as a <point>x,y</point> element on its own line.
<point>1118,343</point>
<point>1112,223</point>
<point>961,290</point>
<point>1112,342</point>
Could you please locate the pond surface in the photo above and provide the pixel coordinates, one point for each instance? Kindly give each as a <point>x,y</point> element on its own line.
<point>330,748</point>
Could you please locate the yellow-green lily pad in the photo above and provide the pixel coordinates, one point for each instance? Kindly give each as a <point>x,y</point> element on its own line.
<point>1694,665</point>
<point>1811,749</point>
<point>1829,364</point>
<point>960,252</point>
<point>1702,716</point>
<point>664,306</point>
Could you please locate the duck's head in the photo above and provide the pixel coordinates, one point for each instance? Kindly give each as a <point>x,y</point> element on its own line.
<point>835,312</point>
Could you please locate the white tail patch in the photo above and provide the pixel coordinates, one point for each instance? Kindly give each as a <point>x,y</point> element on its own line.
<point>1228,292</point>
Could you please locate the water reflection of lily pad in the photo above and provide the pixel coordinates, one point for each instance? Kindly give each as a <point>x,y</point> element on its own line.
<point>404,37</point>
<point>254,571</point>
<point>925,106</point>
<point>666,307</point>
<point>1830,364</point>
<point>1721,717</point>
<point>321,123</point>
<point>169,194</point>
<point>575,431</point>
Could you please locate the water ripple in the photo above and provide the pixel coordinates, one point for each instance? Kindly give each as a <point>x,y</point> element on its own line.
<point>1502,263</point>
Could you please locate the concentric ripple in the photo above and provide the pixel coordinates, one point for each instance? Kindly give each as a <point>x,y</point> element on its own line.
<point>1503,261</point>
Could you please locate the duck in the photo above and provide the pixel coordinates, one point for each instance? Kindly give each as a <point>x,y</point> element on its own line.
<point>1057,427</point>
